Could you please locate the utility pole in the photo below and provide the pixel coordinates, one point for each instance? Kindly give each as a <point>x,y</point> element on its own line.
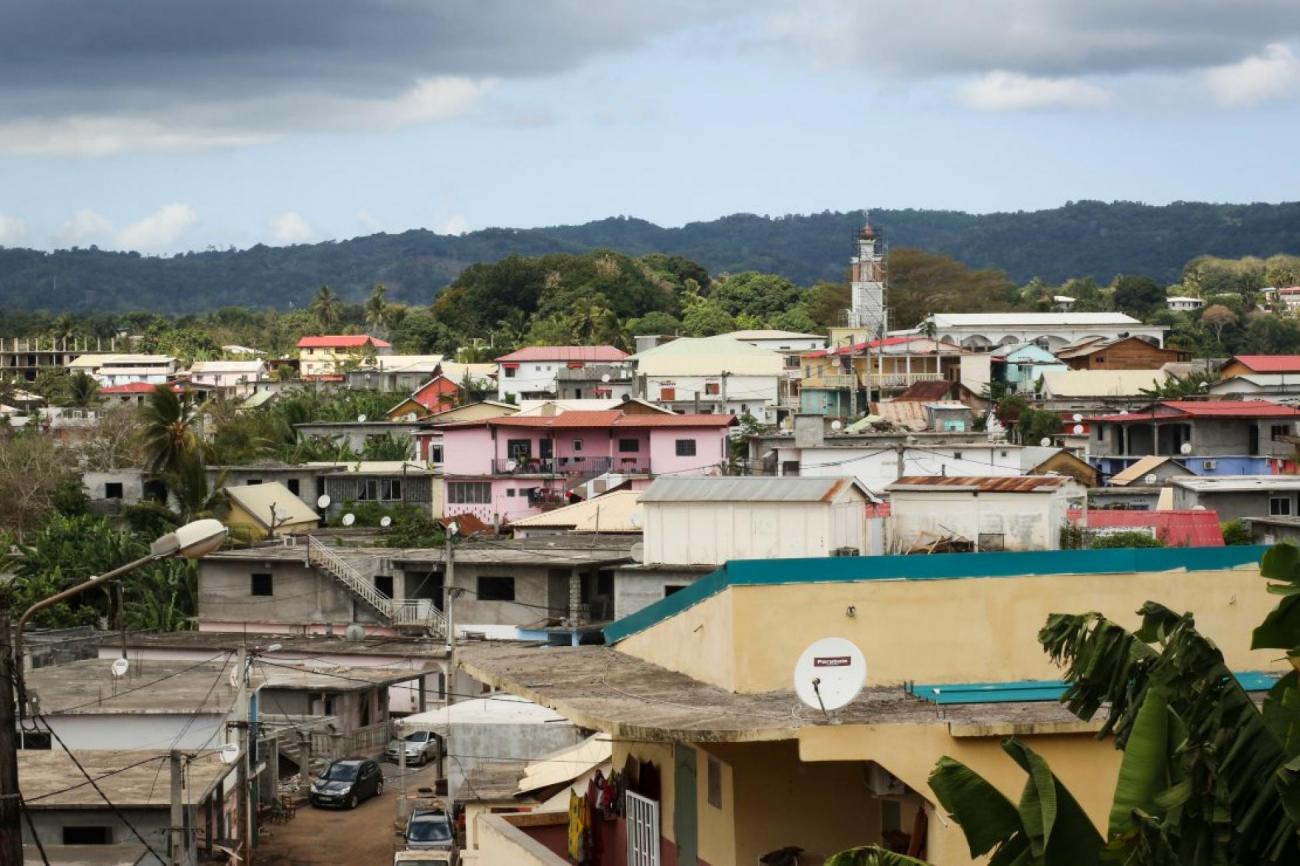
<point>853,380</point>
<point>177,835</point>
<point>11,830</point>
<point>241,731</point>
<point>723,389</point>
<point>449,595</point>
<point>901,448</point>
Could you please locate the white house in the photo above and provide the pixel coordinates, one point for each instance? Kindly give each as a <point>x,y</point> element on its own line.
<point>981,331</point>
<point>1183,303</point>
<point>707,521</point>
<point>779,341</point>
<point>718,374</point>
<point>110,370</point>
<point>234,378</point>
<point>534,371</point>
<point>986,513</point>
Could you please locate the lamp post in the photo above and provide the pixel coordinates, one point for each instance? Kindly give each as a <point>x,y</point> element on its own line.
<point>193,540</point>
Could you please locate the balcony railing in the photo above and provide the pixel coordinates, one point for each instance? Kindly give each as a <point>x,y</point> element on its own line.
<point>570,466</point>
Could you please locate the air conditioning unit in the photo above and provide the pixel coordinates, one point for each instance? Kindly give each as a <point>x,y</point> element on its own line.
<point>1210,465</point>
<point>845,551</point>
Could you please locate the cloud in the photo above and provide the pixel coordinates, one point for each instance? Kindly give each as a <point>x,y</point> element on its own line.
<point>1270,76</point>
<point>1013,91</point>
<point>159,231</point>
<point>454,225</point>
<point>290,228</point>
<point>368,222</point>
<point>84,225</point>
<point>13,231</point>
<point>82,78</point>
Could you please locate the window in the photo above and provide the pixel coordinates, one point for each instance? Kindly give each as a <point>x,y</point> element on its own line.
<point>1277,431</point>
<point>519,449</point>
<point>715,782</point>
<point>712,388</point>
<point>36,740</point>
<point>667,393</point>
<point>98,835</point>
<point>992,541</point>
<point>792,362</point>
<point>250,482</point>
<point>384,583</point>
<point>435,453</point>
<point>956,455</point>
<point>294,486</point>
<point>261,584</point>
<point>604,583</point>
<point>496,589</point>
<point>577,444</point>
<point>113,490</point>
<point>672,588</point>
<point>1101,359</point>
<point>469,492</point>
<point>629,446</point>
<point>1279,506</point>
<point>1101,433</point>
<point>512,492</point>
<point>510,372</point>
<point>685,447</point>
<point>546,448</point>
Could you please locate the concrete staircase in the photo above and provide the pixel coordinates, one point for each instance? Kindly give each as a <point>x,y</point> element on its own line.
<point>412,613</point>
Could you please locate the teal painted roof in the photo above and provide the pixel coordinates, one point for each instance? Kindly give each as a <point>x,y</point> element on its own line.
<point>943,566</point>
<point>1041,690</point>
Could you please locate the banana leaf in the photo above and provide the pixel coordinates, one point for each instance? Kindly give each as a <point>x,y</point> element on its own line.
<point>872,855</point>
<point>1281,628</point>
<point>988,819</point>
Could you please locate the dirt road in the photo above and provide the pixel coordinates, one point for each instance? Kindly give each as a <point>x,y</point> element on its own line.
<point>365,836</point>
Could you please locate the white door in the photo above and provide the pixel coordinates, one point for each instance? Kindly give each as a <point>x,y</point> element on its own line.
<point>642,831</point>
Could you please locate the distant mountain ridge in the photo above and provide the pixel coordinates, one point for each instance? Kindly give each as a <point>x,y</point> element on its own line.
<point>1086,238</point>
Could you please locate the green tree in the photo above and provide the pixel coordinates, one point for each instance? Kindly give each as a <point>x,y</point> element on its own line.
<point>33,473</point>
<point>653,323</point>
<point>705,318</point>
<point>169,428</point>
<point>1137,295</point>
<point>325,308</point>
<point>83,391</point>
<point>378,311</point>
<point>922,283</point>
<point>754,294</point>
<point>827,302</point>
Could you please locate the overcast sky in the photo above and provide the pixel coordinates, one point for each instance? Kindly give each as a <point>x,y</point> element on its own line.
<point>165,125</point>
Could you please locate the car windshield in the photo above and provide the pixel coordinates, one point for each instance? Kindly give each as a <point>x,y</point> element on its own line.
<point>417,737</point>
<point>341,772</point>
<point>430,830</point>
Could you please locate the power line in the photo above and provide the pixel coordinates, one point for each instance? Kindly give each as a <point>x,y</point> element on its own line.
<point>169,676</point>
<point>97,778</point>
<point>31,827</point>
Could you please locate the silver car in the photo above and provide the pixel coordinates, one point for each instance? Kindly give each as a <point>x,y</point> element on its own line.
<point>430,829</point>
<point>421,747</point>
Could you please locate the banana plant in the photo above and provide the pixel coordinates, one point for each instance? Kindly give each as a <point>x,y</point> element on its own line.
<point>872,855</point>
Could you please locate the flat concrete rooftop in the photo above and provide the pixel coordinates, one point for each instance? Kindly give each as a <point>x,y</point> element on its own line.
<point>547,550</point>
<point>601,688</point>
<point>291,645</point>
<point>51,781</point>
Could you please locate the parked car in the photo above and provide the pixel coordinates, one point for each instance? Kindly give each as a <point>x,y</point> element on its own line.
<point>430,830</point>
<point>421,747</point>
<point>347,782</point>
<point>426,858</point>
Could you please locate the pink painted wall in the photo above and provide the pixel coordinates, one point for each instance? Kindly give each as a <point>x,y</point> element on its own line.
<point>710,449</point>
<point>467,451</point>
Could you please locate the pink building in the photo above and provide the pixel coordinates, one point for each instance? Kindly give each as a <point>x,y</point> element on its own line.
<point>502,469</point>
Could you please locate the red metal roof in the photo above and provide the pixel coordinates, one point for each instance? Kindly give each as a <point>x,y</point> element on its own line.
<point>858,348</point>
<point>1270,363</point>
<point>1175,528</point>
<point>565,353</point>
<point>342,341</point>
<point>1203,409</point>
<point>605,418</point>
<point>925,392</point>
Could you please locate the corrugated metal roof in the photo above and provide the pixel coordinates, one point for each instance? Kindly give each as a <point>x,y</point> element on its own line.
<point>984,483</point>
<point>1269,363</point>
<point>341,341</point>
<point>749,489</point>
<point>612,512</point>
<point>708,356</point>
<point>1014,320</point>
<point>565,353</point>
<point>1239,483</point>
<point>1205,409</point>
<point>1139,469</point>
<point>257,499</point>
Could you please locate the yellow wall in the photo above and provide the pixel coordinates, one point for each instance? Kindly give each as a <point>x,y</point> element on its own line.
<point>1086,766</point>
<point>239,517</point>
<point>697,642</point>
<point>502,844</point>
<point>938,631</point>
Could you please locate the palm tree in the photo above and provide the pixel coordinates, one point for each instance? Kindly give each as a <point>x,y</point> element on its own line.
<point>326,308</point>
<point>83,391</point>
<point>377,309</point>
<point>169,429</point>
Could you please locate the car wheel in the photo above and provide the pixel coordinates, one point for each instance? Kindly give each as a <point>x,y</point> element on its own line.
<point>352,801</point>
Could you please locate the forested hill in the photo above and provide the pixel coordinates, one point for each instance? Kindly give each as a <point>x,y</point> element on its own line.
<point>1081,239</point>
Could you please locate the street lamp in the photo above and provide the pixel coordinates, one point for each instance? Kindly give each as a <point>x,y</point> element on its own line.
<point>192,541</point>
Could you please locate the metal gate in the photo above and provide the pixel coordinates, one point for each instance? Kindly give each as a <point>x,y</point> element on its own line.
<point>642,830</point>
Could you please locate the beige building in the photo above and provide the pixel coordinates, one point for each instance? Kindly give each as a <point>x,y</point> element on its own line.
<point>697,688</point>
<point>332,355</point>
<point>980,512</point>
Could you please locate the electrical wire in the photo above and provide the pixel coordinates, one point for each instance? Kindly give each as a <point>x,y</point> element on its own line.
<point>83,784</point>
<point>169,676</point>
<point>31,827</point>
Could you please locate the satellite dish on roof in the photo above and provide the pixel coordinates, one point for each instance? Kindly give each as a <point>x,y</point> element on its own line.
<point>361,419</point>
<point>349,519</point>
<point>1045,442</point>
<point>1078,428</point>
<point>836,425</point>
<point>1078,417</point>
<point>605,378</point>
<point>1185,448</point>
<point>323,501</point>
<point>229,753</point>
<point>355,632</point>
<point>830,673</point>
<point>637,552</point>
<point>385,521</point>
<point>119,668</point>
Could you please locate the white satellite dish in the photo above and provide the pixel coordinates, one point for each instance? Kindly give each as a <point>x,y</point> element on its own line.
<point>349,519</point>
<point>836,425</point>
<point>229,753</point>
<point>119,668</point>
<point>605,378</point>
<point>1078,428</point>
<point>1185,448</point>
<point>1151,479</point>
<point>361,419</point>
<point>355,632</point>
<point>1045,442</point>
<point>385,521</point>
<point>830,673</point>
<point>323,501</point>
<point>1078,417</point>
<point>637,552</point>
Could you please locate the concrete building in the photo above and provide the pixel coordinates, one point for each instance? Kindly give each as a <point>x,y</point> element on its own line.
<point>1183,303</point>
<point>1148,471</point>
<point>868,296</point>
<point>983,331</point>
<point>230,378</point>
<point>720,375</point>
<point>1090,391</point>
<point>1208,429</point>
<point>533,372</point>
<point>708,521</point>
<point>22,358</point>
<point>303,480</point>
<point>830,377</point>
<point>785,342</point>
<point>1020,366</point>
<point>1240,496</point>
<point>112,490</point>
<point>356,435</point>
<point>601,381</point>
<point>329,356</point>
<point>394,373</point>
<point>982,513</point>
<point>387,483</point>
<point>757,772</point>
<point>75,825</point>
<point>110,370</point>
<point>619,511</point>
